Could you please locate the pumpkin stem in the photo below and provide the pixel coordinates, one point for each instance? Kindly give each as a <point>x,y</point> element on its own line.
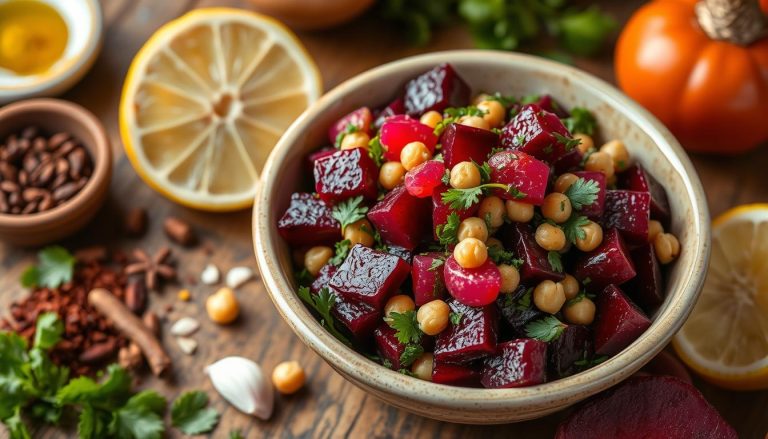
<point>737,21</point>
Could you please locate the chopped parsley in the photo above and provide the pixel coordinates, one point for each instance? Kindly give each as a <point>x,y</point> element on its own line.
<point>554,261</point>
<point>500,256</point>
<point>547,329</point>
<point>581,121</point>
<point>455,317</point>
<point>410,354</point>
<point>465,198</point>
<point>349,129</point>
<point>323,303</point>
<point>573,227</point>
<point>582,193</point>
<point>341,252</point>
<point>376,150</point>
<point>567,142</point>
<point>448,233</point>
<point>349,211</point>
<point>406,325</point>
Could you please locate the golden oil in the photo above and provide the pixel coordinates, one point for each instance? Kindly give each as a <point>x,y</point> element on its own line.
<point>33,36</point>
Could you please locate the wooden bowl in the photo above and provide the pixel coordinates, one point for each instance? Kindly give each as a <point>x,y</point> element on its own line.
<point>53,116</point>
<point>513,74</point>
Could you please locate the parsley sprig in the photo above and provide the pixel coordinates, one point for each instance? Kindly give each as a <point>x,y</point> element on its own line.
<point>582,193</point>
<point>406,326</point>
<point>349,129</point>
<point>322,303</point>
<point>448,233</point>
<point>55,267</point>
<point>500,256</point>
<point>555,261</point>
<point>341,251</point>
<point>376,150</point>
<point>349,211</point>
<point>567,142</point>
<point>453,114</point>
<point>410,354</point>
<point>580,121</point>
<point>465,198</point>
<point>573,227</point>
<point>190,415</point>
<point>547,329</point>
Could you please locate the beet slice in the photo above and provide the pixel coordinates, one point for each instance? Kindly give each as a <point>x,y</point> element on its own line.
<point>533,131</point>
<point>427,275</point>
<point>359,318</point>
<point>441,211</point>
<point>521,171</point>
<point>536,267</point>
<point>463,143</point>
<point>422,180</point>
<point>360,119</point>
<point>323,277</point>
<point>317,155</point>
<point>346,174</point>
<point>569,162</point>
<point>518,310</point>
<point>574,344</point>
<point>647,288</point>
<point>629,212</point>
<point>636,178</point>
<point>387,345</point>
<point>308,221</point>
<point>646,407</point>
<point>472,286</point>
<point>517,363</point>
<point>397,132</point>
<point>595,210</point>
<point>456,375</point>
<point>618,322</point>
<point>437,89</point>
<point>472,338</point>
<point>369,276</point>
<point>608,264</point>
<point>394,108</point>
<point>399,218</point>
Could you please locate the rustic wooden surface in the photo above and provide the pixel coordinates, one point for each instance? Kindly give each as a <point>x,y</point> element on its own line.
<point>328,406</point>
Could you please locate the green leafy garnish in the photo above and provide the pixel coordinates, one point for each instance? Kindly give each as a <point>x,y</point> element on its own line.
<point>436,264</point>
<point>506,101</point>
<point>349,211</point>
<point>349,129</point>
<point>584,32</point>
<point>341,252</point>
<point>582,193</point>
<point>554,261</point>
<point>236,434</point>
<point>323,303</point>
<point>451,115</point>
<point>378,241</point>
<point>406,325</point>
<point>55,266</point>
<point>460,199</point>
<point>573,228</point>
<point>567,142</point>
<point>485,171</point>
<point>500,256</point>
<point>587,362</point>
<point>410,354</point>
<point>405,371</point>
<point>190,415</point>
<point>448,233</point>
<point>376,151</point>
<point>547,329</point>
<point>580,121</point>
<point>523,303</point>
<point>386,363</point>
<point>455,317</point>
<point>304,277</point>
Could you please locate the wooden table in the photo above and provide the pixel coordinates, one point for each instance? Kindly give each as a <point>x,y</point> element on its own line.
<point>329,406</point>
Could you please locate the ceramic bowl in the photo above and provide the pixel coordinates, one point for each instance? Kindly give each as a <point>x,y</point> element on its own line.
<point>512,74</point>
<point>53,116</point>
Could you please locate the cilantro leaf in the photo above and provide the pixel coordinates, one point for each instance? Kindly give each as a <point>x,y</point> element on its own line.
<point>407,372</point>
<point>485,171</point>
<point>436,264</point>
<point>506,101</point>
<point>48,330</point>
<point>453,114</point>
<point>460,199</point>
<point>448,233</point>
<point>323,303</point>
<point>341,252</point>
<point>236,434</point>
<point>188,413</point>
<point>500,256</point>
<point>547,329</point>
<point>410,354</point>
<point>349,211</point>
<point>455,317</point>
<point>587,362</point>
<point>140,417</point>
<point>580,121</point>
<point>376,151</point>
<point>55,266</point>
<point>406,325</point>
<point>554,261</point>
<point>567,142</point>
<point>16,426</point>
<point>582,193</point>
<point>348,129</point>
<point>573,227</point>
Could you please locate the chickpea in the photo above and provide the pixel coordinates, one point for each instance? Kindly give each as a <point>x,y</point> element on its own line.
<point>510,278</point>
<point>470,253</point>
<point>465,175</point>
<point>473,227</point>
<point>474,121</point>
<point>288,377</point>
<point>358,139</point>
<point>570,286</point>
<point>480,98</point>
<point>316,258</point>
<point>422,367</point>
<point>581,312</point>
<point>556,207</point>
<point>399,304</point>
<point>654,229</point>
<point>222,306</point>
<point>433,317</point>
<point>414,154</point>
<point>493,242</point>
<point>518,211</point>
<point>391,175</point>
<point>492,207</point>
<point>618,152</point>
<point>549,237</point>
<point>593,236</point>
<point>564,182</point>
<point>431,118</point>
<point>549,296</point>
<point>586,144</point>
<point>600,162</point>
<point>359,232</point>
<point>667,247</point>
<point>494,112</point>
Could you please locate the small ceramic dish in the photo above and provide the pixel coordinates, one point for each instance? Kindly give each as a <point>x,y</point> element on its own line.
<point>85,26</point>
<point>511,74</point>
<point>53,116</point>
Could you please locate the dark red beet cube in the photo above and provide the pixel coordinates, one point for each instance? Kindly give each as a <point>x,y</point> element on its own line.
<point>472,286</point>
<point>595,210</point>
<point>518,310</point>
<point>569,162</point>
<point>422,180</point>
<point>436,90</point>
<point>360,119</point>
<point>399,218</point>
<point>397,132</point>
<point>401,252</point>
<point>548,103</point>
<point>629,212</point>
<point>359,318</point>
<point>618,323</point>
<point>532,131</point>
<point>536,267</point>
<point>518,363</point>
<point>394,108</point>
<point>369,276</point>
<point>463,143</point>
<point>637,179</point>
<point>647,288</point>
<point>323,277</point>
<point>608,264</point>
<point>441,211</point>
<point>308,221</point>
<point>346,174</point>
<point>521,171</point>
<point>427,275</point>
<point>574,344</point>
<point>474,337</point>
<point>646,407</point>
<point>456,375</point>
<point>387,345</point>
<point>317,155</point>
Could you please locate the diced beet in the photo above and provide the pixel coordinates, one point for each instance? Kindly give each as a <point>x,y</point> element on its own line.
<point>317,155</point>
<point>608,264</point>
<point>474,337</point>
<point>359,318</point>
<point>629,212</point>
<point>456,375</point>
<point>618,322</point>
<point>323,277</point>
<point>436,90</point>
<point>646,407</point>
<point>548,103</point>
<point>360,119</point>
<point>423,179</point>
<point>345,174</point>
<point>518,310</point>
<point>472,286</point>
<point>518,363</point>
<point>595,210</point>
<point>463,143</point>
<point>574,344</point>
<point>533,131</point>
<point>401,252</point>
<point>441,211</point>
<point>369,276</point>
<point>521,171</point>
<point>647,288</point>
<point>394,108</point>
<point>569,162</point>
<point>399,218</point>
<point>395,134</point>
<point>308,221</point>
<point>428,282</point>
<point>637,179</point>
<point>387,345</point>
<point>536,268</point>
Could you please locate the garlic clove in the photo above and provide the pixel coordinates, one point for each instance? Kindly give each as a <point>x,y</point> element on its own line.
<point>185,326</point>
<point>187,345</point>
<point>210,275</point>
<point>237,276</point>
<point>243,384</point>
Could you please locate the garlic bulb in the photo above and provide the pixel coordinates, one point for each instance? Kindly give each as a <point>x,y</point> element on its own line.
<point>242,383</point>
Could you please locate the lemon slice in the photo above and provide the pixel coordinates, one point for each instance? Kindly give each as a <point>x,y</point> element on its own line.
<point>725,339</point>
<point>206,99</point>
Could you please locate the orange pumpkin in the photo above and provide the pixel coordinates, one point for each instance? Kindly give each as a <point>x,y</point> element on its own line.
<point>711,93</point>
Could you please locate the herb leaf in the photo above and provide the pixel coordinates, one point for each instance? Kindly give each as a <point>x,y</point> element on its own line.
<point>554,260</point>
<point>322,303</point>
<point>342,250</point>
<point>410,354</point>
<point>573,227</point>
<point>349,129</point>
<point>582,193</point>
<point>349,211</point>
<point>436,264</point>
<point>141,417</point>
<point>567,142</point>
<point>188,413</point>
<point>460,199</point>
<point>48,330</point>
<point>453,114</point>
<point>55,266</point>
<point>485,171</point>
<point>406,325</point>
<point>455,317</point>
<point>376,151</point>
<point>448,233</point>
<point>581,121</point>
<point>500,256</point>
<point>547,329</point>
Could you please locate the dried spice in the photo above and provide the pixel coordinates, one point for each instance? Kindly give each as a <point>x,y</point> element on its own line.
<point>153,269</point>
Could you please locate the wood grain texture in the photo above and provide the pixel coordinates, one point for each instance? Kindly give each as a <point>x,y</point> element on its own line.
<point>329,406</point>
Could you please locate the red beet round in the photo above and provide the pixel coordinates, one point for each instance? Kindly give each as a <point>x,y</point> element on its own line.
<point>395,134</point>
<point>423,179</point>
<point>521,171</point>
<point>472,286</point>
<point>360,119</point>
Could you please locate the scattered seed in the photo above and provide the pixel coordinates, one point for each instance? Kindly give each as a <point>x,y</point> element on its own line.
<point>210,275</point>
<point>187,345</point>
<point>237,276</point>
<point>185,327</point>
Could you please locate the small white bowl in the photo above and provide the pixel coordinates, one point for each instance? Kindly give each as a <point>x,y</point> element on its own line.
<point>85,26</point>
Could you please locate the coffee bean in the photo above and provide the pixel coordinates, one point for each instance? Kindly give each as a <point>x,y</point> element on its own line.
<point>8,171</point>
<point>179,231</point>
<point>136,296</point>
<point>57,140</point>
<point>14,199</point>
<point>46,203</point>
<point>62,166</point>
<point>4,207</point>
<point>9,186</point>
<point>30,163</point>
<point>29,132</point>
<point>59,181</point>
<point>40,145</point>
<point>15,210</point>
<point>46,174</point>
<point>64,192</point>
<point>99,352</point>
<point>33,194</point>
<point>76,162</point>
<point>23,178</point>
<point>29,208</point>
<point>136,222</point>
<point>66,148</point>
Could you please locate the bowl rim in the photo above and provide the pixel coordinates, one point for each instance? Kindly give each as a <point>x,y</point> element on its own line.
<point>102,159</point>
<point>380,380</point>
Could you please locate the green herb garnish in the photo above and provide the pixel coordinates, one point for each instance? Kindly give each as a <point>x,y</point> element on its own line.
<point>410,354</point>
<point>547,329</point>
<point>348,129</point>
<point>190,415</point>
<point>580,121</point>
<point>582,193</point>
<point>464,198</point>
<point>55,266</point>
<point>406,325</point>
<point>341,250</point>
<point>573,228</point>
<point>554,261</point>
<point>322,303</point>
<point>500,256</point>
<point>376,151</point>
<point>567,142</point>
<point>349,211</point>
<point>455,317</point>
<point>448,233</point>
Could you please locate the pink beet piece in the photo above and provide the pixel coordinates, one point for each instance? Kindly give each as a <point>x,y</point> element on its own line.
<point>629,212</point>
<point>399,218</point>
<point>472,338</point>
<point>346,174</point>
<point>521,171</point>
<point>536,268</point>
<point>396,133</point>
<point>548,103</point>
<point>387,345</point>
<point>532,131</point>
<point>472,286</point>
<point>517,309</point>
<point>595,210</point>
<point>317,155</point>
<point>569,162</point>
<point>518,363</point>
<point>462,143</point>
<point>323,277</point>
<point>441,211</point>
<point>646,289</point>
<point>308,221</point>
<point>574,344</point>
<point>427,276</point>
<point>646,407</point>
<point>456,375</point>
<point>360,119</point>
<point>359,318</point>
<point>369,276</point>
<point>608,264</point>
<point>423,179</point>
<point>394,108</point>
<point>638,179</point>
<point>618,322</point>
<point>439,88</point>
